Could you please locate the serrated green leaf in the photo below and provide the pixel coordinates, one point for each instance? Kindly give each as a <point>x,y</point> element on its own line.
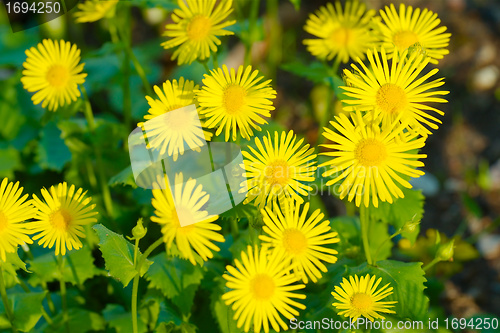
<point>402,210</point>
<point>223,313</point>
<point>408,281</point>
<point>117,318</point>
<point>118,255</point>
<point>380,245</point>
<point>177,279</point>
<point>27,308</point>
<point>52,153</point>
<point>45,267</point>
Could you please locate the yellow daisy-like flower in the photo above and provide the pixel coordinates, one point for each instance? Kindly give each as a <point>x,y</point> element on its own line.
<point>236,100</point>
<point>261,291</point>
<point>61,217</point>
<point>94,10</point>
<point>302,240</point>
<point>371,162</point>
<point>14,211</point>
<point>52,70</point>
<point>173,133</point>
<point>360,297</point>
<point>395,91</point>
<point>197,24</point>
<point>410,27</point>
<point>345,34</point>
<point>186,204</point>
<point>278,169</point>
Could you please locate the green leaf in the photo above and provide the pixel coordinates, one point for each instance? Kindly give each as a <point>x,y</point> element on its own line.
<point>45,267</point>
<point>120,320</point>
<point>125,177</point>
<point>314,71</point>
<point>52,153</point>
<point>10,160</point>
<point>10,267</point>
<point>27,309</point>
<point>408,281</point>
<point>118,255</point>
<point>296,4</point>
<point>402,210</point>
<point>222,312</point>
<point>80,321</point>
<point>176,278</point>
<point>380,246</point>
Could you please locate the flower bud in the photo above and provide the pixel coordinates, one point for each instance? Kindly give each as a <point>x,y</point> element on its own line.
<point>445,251</point>
<point>410,226</point>
<point>139,231</point>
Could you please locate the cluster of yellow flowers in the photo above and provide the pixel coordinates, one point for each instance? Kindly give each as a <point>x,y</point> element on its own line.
<point>57,219</point>
<point>373,150</point>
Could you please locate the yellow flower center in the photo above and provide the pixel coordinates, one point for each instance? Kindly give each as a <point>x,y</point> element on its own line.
<point>405,39</point>
<point>184,214</point>
<point>179,120</point>
<point>294,241</point>
<point>4,222</point>
<point>61,219</point>
<point>277,172</point>
<point>341,36</point>
<point>199,27</point>
<point>57,76</point>
<point>370,152</point>
<point>262,287</point>
<point>361,302</point>
<point>391,98</point>
<point>234,98</point>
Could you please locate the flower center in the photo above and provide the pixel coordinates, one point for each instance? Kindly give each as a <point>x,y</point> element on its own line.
<point>341,36</point>
<point>294,241</point>
<point>199,27</point>
<point>234,98</point>
<point>277,172</point>
<point>391,98</point>
<point>262,287</point>
<point>370,152</point>
<point>57,76</point>
<point>361,302</point>
<point>405,39</point>
<point>4,222</point>
<point>183,214</point>
<point>61,219</point>
<point>179,120</point>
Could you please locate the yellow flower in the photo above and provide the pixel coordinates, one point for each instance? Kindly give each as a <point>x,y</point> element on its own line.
<point>302,241</point>
<point>196,27</point>
<point>172,133</point>
<point>14,211</point>
<point>261,291</point>
<point>186,204</point>
<point>94,10</point>
<point>360,297</point>
<point>394,92</point>
<point>345,34</point>
<point>278,169</point>
<point>232,100</point>
<point>370,161</point>
<point>409,27</point>
<point>52,70</point>
<point>61,217</point>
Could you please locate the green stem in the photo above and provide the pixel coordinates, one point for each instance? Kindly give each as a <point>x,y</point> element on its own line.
<point>106,194</point>
<point>6,303</point>
<point>252,22</point>
<point>215,61</point>
<point>75,275</point>
<point>64,299</point>
<point>135,284</point>
<point>365,225</point>
<point>205,65</point>
<point>432,263</point>
<point>46,317</point>
<point>234,228</point>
